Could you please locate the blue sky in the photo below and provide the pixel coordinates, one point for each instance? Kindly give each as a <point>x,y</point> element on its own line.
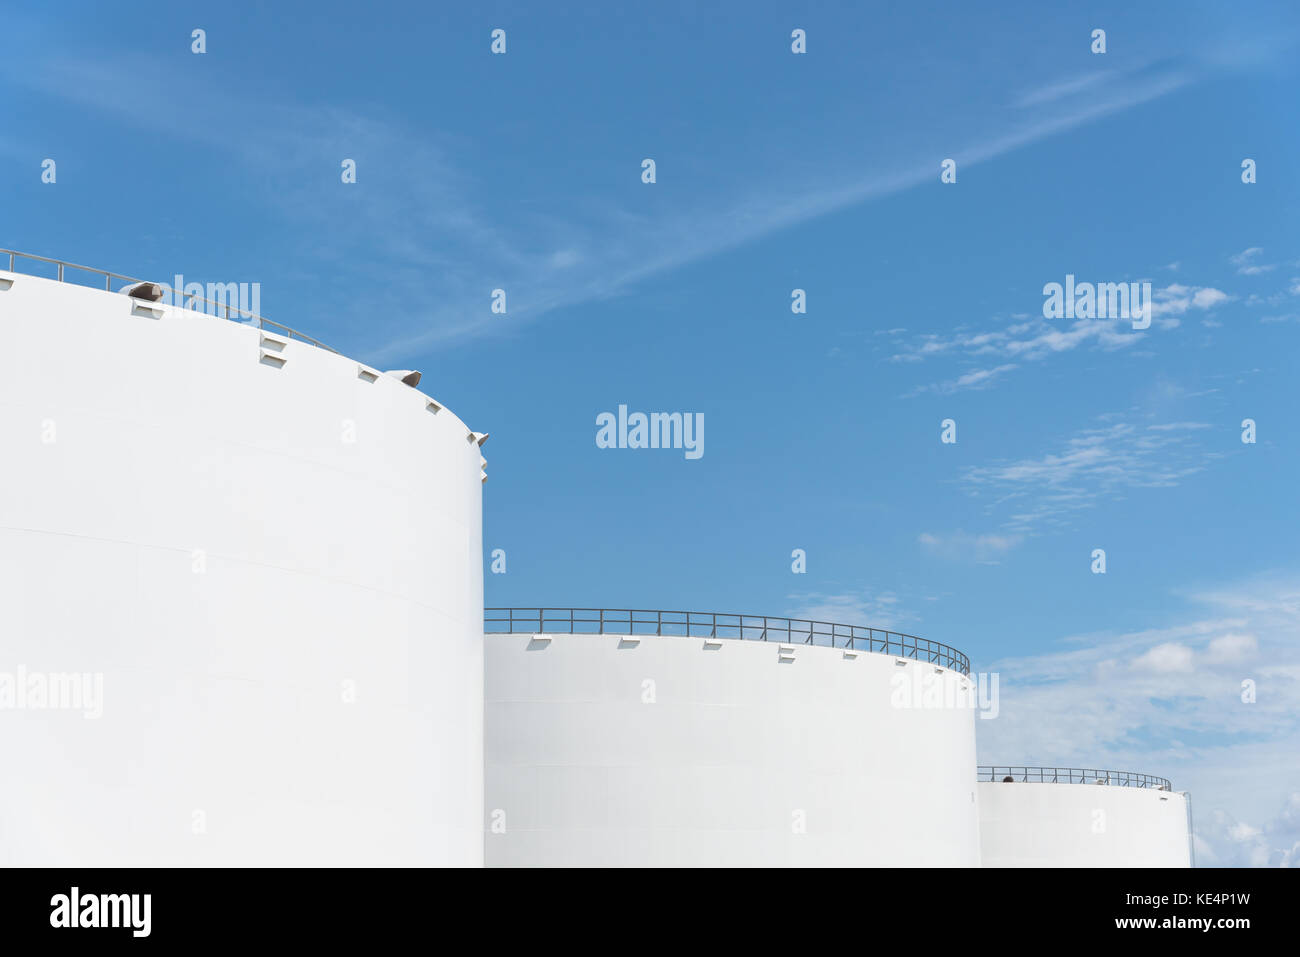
<point>775,172</point>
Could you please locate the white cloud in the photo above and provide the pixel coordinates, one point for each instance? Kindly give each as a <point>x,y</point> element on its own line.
<point>1176,299</point>
<point>1093,464</point>
<point>976,379</point>
<point>1170,657</point>
<point>1231,648</point>
<point>1065,88</point>
<point>1033,338</point>
<point>1247,262</point>
<point>1026,341</point>
<point>1208,298</point>
<point>877,610</point>
<point>1223,841</point>
<point>985,549</point>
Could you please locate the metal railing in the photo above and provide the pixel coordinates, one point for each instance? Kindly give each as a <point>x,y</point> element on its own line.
<point>1122,779</point>
<point>223,309</point>
<point>695,624</point>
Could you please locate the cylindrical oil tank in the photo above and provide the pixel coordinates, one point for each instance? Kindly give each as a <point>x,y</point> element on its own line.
<point>651,750</point>
<point>1058,817</point>
<point>241,592</point>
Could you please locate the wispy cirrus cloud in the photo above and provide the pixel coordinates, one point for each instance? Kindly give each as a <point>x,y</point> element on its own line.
<point>1248,264</point>
<point>859,607</point>
<point>1064,89</point>
<point>435,235</point>
<point>1029,340</point>
<point>1032,338</point>
<point>1044,491</point>
<point>986,549</point>
<point>1094,83</point>
<point>975,379</point>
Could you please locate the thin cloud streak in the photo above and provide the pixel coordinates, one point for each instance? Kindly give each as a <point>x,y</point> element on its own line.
<point>1094,465</point>
<point>571,262</point>
<point>1036,338</point>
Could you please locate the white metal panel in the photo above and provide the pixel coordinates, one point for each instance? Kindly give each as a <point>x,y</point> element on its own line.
<point>680,751</point>
<point>1081,825</point>
<point>275,567</point>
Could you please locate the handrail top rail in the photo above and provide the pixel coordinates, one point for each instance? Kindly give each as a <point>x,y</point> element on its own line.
<point>542,620</point>
<point>252,318</point>
<point>1029,774</point>
<point>704,614</point>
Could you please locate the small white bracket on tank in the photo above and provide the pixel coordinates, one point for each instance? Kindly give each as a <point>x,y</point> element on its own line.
<point>480,438</point>
<point>785,652</point>
<point>433,407</point>
<point>145,307</point>
<point>272,347</point>
<point>900,662</point>
<point>628,640</point>
<point>712,642</point>
<point>850,653</point>
<point>367,375</point>
<point>6,281</point>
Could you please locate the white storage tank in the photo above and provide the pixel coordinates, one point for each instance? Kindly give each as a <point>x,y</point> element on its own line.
<point>241,594</point>
<point>1081,817</point>
<point>632,738</point>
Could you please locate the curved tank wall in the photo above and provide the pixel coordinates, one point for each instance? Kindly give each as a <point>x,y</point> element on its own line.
<point>610,750</point>
<point>1081,825</point>
<point>268,563</point>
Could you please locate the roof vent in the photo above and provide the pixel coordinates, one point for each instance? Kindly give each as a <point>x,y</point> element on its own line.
<point>148,291</point>
<point>406,376</point>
